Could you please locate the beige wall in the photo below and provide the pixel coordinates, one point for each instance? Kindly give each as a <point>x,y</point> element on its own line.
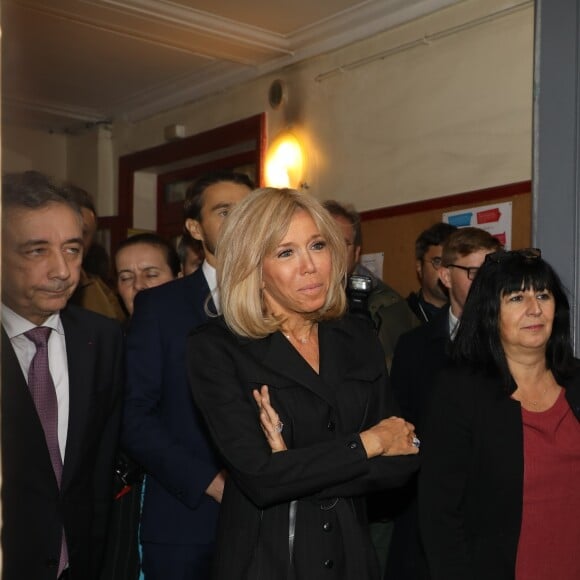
<point>451,114</point>
<point>86,160</point>
<point>25,149</point>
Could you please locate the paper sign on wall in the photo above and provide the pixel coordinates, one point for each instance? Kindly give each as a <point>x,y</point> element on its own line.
<point>495,219</point>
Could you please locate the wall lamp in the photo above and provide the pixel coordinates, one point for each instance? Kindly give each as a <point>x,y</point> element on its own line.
<point>286,162</point>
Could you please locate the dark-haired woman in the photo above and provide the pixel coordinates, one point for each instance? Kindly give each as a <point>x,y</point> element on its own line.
<point>498,490</point>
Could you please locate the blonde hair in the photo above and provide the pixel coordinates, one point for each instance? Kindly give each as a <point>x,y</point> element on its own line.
<point>251,232</point>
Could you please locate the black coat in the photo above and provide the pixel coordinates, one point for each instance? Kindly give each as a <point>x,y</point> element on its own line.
<point>419,356</point>
<point>471,480</point>
<point>34,510</point>
<point>325,468</point>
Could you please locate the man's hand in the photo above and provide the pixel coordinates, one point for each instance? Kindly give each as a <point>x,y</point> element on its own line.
<point>216,488</point>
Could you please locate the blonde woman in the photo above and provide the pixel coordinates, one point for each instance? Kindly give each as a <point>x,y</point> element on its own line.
<point>283,338</point>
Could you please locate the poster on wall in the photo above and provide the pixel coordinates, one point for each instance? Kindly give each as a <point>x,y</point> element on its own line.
<point>495,219</point>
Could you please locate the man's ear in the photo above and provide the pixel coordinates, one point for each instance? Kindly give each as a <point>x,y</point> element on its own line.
<point>194,228</point>
<point>357,250</point>
<point>419,269</point>
<point>445,276</point>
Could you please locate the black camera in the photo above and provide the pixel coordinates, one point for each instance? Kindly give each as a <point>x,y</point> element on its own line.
<point>358,289</point>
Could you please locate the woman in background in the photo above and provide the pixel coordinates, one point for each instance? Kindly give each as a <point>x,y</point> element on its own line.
<point>144,261</point>
<point>141,261</point>
<point>498,492</point>
<point>298,513</point>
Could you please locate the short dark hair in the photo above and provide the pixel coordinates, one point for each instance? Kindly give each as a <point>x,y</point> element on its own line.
<point>478,343</point>
<point>32,190</point>
<point>434,235</point>
<point>150,239</point>
<point>187,241</point>
<point>346,211</point>
<point>79,196</point>
<point>466,241</point>
<point>194,194</point>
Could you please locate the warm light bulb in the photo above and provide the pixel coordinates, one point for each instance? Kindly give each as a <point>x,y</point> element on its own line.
<point>285,162</point>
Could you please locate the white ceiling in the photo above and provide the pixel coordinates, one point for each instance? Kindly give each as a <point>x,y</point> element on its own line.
<point>67,64</point>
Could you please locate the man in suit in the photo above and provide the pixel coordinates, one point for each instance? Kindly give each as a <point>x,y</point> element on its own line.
<point>419,356</point>
<point>161,428</point>
<point>61,392</point>
<point>432,295</point>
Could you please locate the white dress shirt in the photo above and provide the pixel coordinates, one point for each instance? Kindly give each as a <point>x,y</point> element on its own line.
<point>211,277</point>
<point>453,324</point>
<point>15,327</point>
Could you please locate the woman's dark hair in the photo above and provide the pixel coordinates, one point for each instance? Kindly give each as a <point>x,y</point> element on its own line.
<point>156,241</point>
<point>478,342</point>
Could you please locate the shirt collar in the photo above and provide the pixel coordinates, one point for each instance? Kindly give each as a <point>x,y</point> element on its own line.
<point>453,324</point>
<point>211,277</point>
<point>15,325</point>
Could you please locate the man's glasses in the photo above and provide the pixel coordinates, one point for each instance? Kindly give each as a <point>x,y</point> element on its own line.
<point>529,254</point>
<point>435,262</point>
<point>470,271</point>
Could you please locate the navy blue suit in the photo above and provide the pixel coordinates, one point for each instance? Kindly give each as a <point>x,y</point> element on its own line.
<point>161,427</point>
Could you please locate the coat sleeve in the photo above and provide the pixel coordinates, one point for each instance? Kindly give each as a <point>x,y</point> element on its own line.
<point>146,437</point>
<point>104,459</point>
<point>447,452</point>
<point>232,417</point>
<point>384,472</point>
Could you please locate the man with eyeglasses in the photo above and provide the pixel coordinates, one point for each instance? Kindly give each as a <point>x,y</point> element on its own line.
<point>432,296</point>
<point>420,354</point>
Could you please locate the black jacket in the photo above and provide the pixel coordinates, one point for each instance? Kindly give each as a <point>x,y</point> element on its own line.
<point>419,356</point>
<point>325,468</point>
<point>471,481</point>
<point>34,510</point>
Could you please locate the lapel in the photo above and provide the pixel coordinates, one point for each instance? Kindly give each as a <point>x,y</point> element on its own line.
<point>439,329</point>
<point>22,431</point>
<point>339,359</point>
<point>274,355</point>
<point>199,294</point>
<point>81,355</point>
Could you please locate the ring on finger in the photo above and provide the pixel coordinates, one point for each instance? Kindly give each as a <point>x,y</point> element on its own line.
<point>278,427</point>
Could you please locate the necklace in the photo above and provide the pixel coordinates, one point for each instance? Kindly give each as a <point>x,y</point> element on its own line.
<point>304,340</point>
<point>300,340</point>
<point>537,401</point>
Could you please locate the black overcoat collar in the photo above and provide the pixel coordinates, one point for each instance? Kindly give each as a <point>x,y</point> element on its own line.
<point>340,358</point>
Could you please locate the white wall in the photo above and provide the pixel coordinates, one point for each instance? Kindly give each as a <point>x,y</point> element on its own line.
<point>91,165</point>
<point>450,115</point>
<point>26,149</point>
<point>86,160</point>
<point>145,198</point>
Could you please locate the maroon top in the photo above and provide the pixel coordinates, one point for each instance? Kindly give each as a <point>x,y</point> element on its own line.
<point>550,535</point>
